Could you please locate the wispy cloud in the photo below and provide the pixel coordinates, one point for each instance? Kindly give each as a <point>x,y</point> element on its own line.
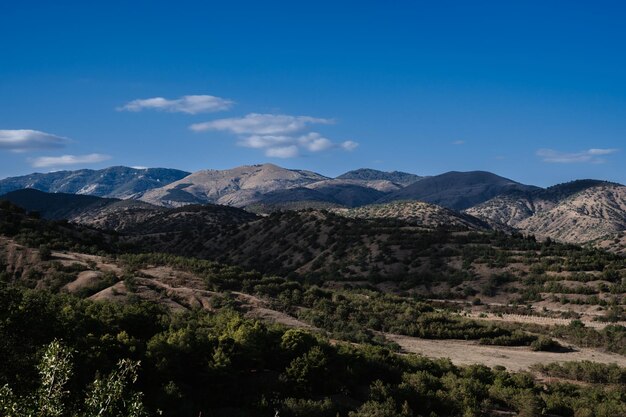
<point>593,156</point>
<point>22,140</point>
<point>279,135</point>
<point>66,160</point>
<point>186,104</point>
<point>290,151</point>
<point>261,124</point>
<point>264,141</point>
<point>314,142</point>
<point>349,145</point>
<point>458,142</point>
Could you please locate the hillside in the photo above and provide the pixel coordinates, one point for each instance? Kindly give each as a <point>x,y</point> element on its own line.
<point>237,187</point>
<point>577,212</point>
<point>513,207</point>
<point>298,198</point>
<point>113,182</point>
<point>325,194</point>
<point>102,213</point>
<point>372,286</point>
<point>56,206</point>
<point>366,174</point>
<point>501,203</point>
<point>588,215</point>
<point>418,213</point>
<point>457,190</point>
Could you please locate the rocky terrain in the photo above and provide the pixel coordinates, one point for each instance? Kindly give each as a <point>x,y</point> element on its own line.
<point>580,211</point>
<point>113,182</point>
<point>418,213</point>
<point>274,187</point>
<point>576,212</point>
<point>235,187</point>
<point>591,214</point>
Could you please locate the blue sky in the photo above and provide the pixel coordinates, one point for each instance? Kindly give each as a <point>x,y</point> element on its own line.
<point>535,91</point>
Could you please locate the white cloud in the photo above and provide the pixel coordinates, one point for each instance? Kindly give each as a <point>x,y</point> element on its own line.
<point>186,104</point>
<point>587,156</point>
<point>602,151</point>
<point>282,152</point>
<point>314,142</point>
<point>289,146</point>
<point>64,160</point>
<point>264,141</point>
<point>22,140</point>
<point>349,145</point>
<point>280,135</point>
<point>260,124</point>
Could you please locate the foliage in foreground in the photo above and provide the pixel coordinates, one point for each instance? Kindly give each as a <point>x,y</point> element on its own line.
<point>106,396</point>
<point>222,364</point>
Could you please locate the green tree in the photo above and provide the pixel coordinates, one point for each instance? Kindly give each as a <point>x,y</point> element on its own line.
<point>108,397</point>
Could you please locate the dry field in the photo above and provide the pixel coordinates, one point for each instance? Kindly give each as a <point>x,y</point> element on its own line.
<point>513,358</point>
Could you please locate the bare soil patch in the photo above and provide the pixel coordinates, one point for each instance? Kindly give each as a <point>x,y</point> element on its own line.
<point>513,358</point>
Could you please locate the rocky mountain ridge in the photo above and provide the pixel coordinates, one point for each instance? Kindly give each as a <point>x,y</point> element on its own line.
<point>114,182</point>
<point>578,212</point>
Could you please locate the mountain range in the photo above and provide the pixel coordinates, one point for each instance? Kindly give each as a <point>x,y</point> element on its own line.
<point>114,182</point>
<point>119,197</point>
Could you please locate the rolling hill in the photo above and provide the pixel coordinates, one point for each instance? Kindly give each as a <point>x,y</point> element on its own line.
<point>562,212</point>
<point>237,187</point>
<point>577,212</point>
<point>84,209</point>
<point>513,207</point>
<point>418,213</point>
<point>458,190</point>
<point>366,174</point>
<point>588,215</point>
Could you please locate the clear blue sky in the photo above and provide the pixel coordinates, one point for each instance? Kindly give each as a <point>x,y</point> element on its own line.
<point>535,91</point>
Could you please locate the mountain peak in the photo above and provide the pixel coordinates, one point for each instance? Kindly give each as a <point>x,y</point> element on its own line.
<point>239,186</point>
<point>458,190</point>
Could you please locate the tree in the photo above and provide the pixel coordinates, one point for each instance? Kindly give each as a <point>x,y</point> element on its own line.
<point>45,253</point>
<point>107,397</point>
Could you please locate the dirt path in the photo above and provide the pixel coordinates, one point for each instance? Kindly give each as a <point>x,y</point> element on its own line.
<point>513,358</point>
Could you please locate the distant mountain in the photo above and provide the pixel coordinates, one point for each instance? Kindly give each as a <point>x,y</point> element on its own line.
<point>127,216</point>
<point>114,182</point>
<point>591,214</point>
<point>458,190</point>
<point>367,174</point>
<point>204,222</point>
<point>418,213</point>
<point>513,207</point>
<point>55,206</point>
<point>73,207</point>
<point>327,193</point>
<point>297,198</point>
<point>354,193</point>
<point>237,187</point>
<point>578,211</point>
